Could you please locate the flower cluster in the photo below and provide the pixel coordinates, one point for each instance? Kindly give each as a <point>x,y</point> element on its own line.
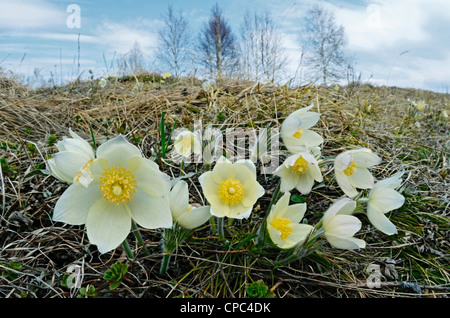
<point>114,187</point>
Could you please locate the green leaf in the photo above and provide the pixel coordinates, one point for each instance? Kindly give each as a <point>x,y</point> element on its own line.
<point>297,198</point>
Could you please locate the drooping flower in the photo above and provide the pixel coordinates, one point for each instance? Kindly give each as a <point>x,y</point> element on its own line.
<point>231,188</point>
<point>124,186</point>
<point>382,199</point>
<point>340,226</point>
<point>351,170</point>
<point>213,144</point>
<point>296,133</point>
<point>186,143</point>
<point>73,154</point>
<point>299,171</point>
<point>182,212</point>
<point>283,223</point>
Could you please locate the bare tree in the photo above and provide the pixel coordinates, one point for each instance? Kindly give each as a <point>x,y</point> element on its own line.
<point>173,51</point>
<point>262,51</point>
<point>217,45</point>
<point>135,58</point>
<point>323,43</point>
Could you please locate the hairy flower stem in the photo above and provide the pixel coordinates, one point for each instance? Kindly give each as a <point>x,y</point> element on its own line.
<point>165,263</point>
<point>139,238</point>
<point>127,249</point>
<point>220,230</point>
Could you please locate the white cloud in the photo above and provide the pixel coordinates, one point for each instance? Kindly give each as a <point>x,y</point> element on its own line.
<point>28,14</point>
<point>120,37</point>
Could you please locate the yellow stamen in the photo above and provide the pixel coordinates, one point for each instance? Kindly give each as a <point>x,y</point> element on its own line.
<point>231,191</point>
<point>189,208</point>
<point>298,134</point>
<point>284,226</point>
<point>350,170</point>
<point>117,185</point>
<point>85,170</point>
<point>300,165</point>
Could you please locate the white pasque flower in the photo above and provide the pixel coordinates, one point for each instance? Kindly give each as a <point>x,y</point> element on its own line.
<point>73,154</point>
<point>299,171</point>
<point>182,212</point>
<point>186,143</point>
<point>340,226</point>
<point>296,133</point>
<point>231,188</point>
<point>351,170</point>
<point>125,186</point>
<point>382,199</point>
<point>102,82</point>
<point>283,223</point>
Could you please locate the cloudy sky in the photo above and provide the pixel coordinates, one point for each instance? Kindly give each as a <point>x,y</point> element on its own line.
<point>403,43</point>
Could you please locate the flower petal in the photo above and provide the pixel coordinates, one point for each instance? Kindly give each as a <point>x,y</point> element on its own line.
<point>365,157</point>
<point>311,138</point>
<point>179,199</point>
<point>392,182</point>
<point>361,178</point>
<point>295,212</point>
<point>305,183</point>
<point>74,204</point>
<point>148,176</point>
<point>343,225</point>
<point>118,151</point>
<point>289,178</point>
<point>299,233</point>
<point>108,225</point>
<point>347,243</point>
<point>150,212</point>
<point>195,217</point>
<point>67,164</point>
<point>345,185</point>
<point>342,161</point>
<point>387,200</point>
<point>341,206</point>
<point>380,221</point>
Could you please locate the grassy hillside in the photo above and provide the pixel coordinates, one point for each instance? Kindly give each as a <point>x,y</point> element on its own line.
<point>36,253</point>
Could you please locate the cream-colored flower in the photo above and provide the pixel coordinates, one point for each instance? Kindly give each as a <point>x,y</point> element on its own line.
<point>182,212</point>
<point>73,154</point>
<point>340,226</point>
<point>231,188</point>
<point>125,186</point>
<point>102,82</point>
<point>283,223</point>
<point>296,133</point>
<point>299,171</point>
<point>351,170</point>
<point>382,199</point>
<point>186,143</point>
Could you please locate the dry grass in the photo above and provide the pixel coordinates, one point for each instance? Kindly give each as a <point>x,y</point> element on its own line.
<point>414,263</point>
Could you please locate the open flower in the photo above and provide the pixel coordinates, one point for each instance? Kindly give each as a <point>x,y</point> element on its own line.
<point>73,154</point>
<point>296,133</point>
<point>231,188</point>
<point>182,212</point>
<point>340,226</point>
<point>382,199</point>
<point>186,143</point>
<point>299,171</point>
<point>125,186</point>
<point>102,82</point>
<point>283,223</point>
<point>351,170</point>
